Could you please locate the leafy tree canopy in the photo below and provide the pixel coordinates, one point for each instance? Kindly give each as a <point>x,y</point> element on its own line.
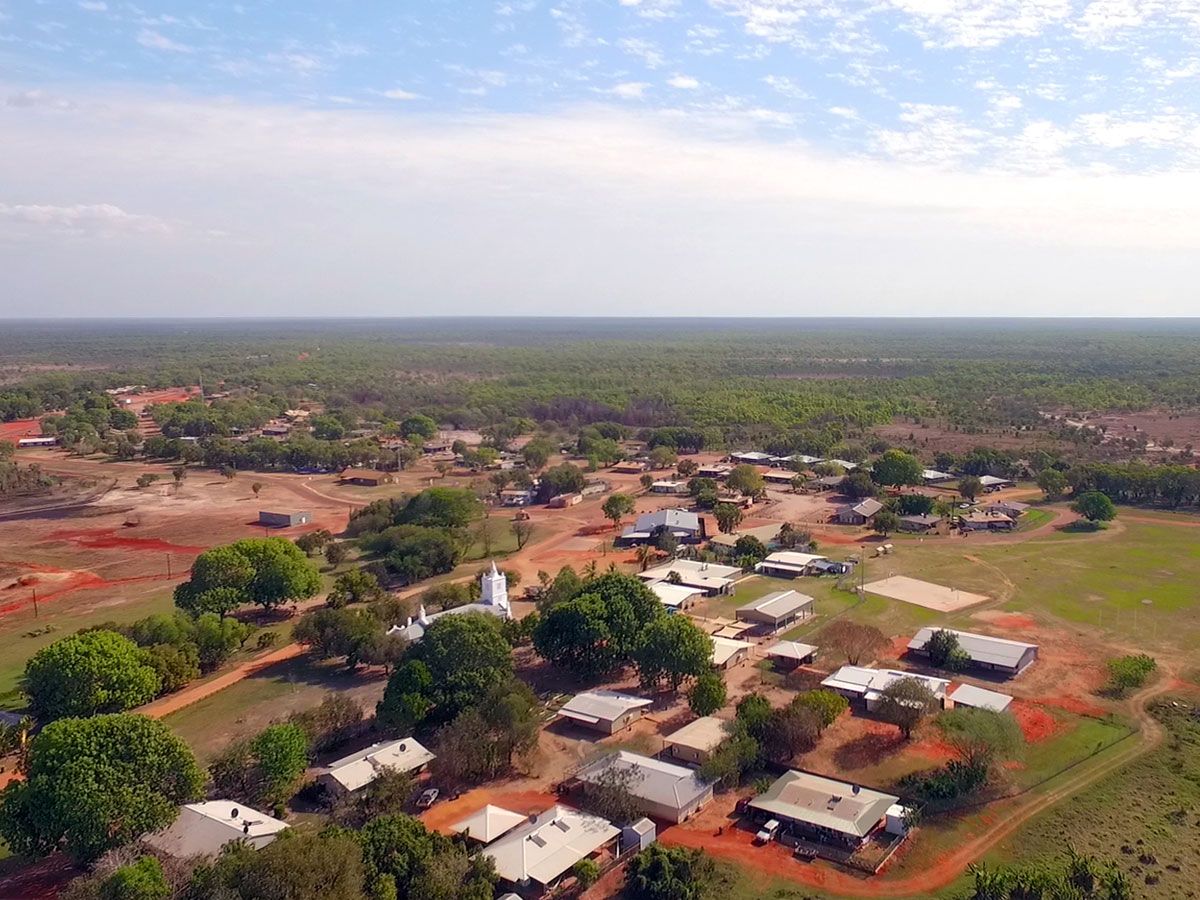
<point>88,673</point>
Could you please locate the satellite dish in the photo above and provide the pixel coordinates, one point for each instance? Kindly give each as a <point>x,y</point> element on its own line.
<point>233,814</point>
<point>403,748</point>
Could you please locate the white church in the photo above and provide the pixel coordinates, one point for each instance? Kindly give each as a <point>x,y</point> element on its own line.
<point>493,601</point>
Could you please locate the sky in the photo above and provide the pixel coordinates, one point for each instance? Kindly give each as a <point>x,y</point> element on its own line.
<point>596,157</point>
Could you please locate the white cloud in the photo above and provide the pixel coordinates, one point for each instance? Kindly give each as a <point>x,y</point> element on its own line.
<point>653,9</point>
<point>648,51</point>
<point>980,23</point>
<point>629,90</point>
<point>784,85</point>
<point>845,112</point>
<point>684,82</point>
<point>155,40</point>
<point>401,94</point>
<point>100,219</point>
<point>93,5</point>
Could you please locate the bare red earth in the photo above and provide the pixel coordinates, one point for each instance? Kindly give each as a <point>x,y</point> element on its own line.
<point>106,539</point>
<point>1036,724</point>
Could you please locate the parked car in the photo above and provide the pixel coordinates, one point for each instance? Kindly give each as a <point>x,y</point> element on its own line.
<point>767,833</point>
<point>428,798</point>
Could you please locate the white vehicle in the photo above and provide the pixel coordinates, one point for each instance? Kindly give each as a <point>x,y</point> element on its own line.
<point>767,833</point>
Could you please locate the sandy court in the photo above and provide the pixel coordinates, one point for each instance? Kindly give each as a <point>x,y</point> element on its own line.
<point>924,593</point>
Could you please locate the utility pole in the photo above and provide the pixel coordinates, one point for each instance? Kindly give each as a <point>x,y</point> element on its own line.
<point>168,565</point>
<point>35,606</point>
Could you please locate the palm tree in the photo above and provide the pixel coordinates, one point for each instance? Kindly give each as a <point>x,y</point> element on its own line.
<point>590,570</point>
<point>646,555</point>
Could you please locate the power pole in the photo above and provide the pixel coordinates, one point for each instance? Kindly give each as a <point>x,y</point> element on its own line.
<point>35,606</point>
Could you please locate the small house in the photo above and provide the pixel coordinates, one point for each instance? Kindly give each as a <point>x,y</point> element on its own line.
<point>933,476</point>
<point>695,741</point>
<point>605,711</point>
<point>729,652</point>
<point>535,857</point>
<point>978,521</point>
<point>631,467</point>
<point>920,524</point>
<point>516,497</point>
<point>711,578</point>
<point>978,698</point>
<point>715,471</point>
<point>283,519</point>
<point>366,477</point>
<point>867,685</point>
<point>669,487</point>
<point>790,654</point>
<point>676,597</point>
<point>1013,509</point>
<point>203,829</point>
<point>488,824</point>
<point>663,790</point>
<point>822,809</point>
<point>860,513</point>
<point>788,564</point>
<point>354,772</point>
<point>684,525</point>
<point>992,483</point>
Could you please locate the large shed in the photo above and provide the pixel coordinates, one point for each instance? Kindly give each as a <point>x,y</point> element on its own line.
<point>777,609</point>
<point>276,519</point>
<point>986,652</point>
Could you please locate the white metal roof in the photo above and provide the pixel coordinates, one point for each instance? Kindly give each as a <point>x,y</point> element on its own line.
<point>596,706</point>
<point>935,475</point>
<point>864,681</point>
<point>701,734</point>
<point>793,558</point>
<point>981,648</point>
<point>670,518</point>
<point>993,481</point>
<point>489,823</point>
<point>778,605</point>
<point>655,781</point>
<point>753,456</point>
<point>724,649</point>
<point>360,769</point>
<point>791,650</point>
<point>825,802</point>
<point>867,507</point>
<point>548,846</point>
<point>980,698</point>
<point>202,829</point>
<point>674,595</point>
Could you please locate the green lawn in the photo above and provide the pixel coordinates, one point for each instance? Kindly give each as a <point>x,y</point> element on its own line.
<point>1081,737</point>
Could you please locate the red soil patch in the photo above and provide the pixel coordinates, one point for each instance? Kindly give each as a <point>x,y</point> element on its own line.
<point>1036,724</point>
<point>934,749</point>
<point>899,646</point>
<point>1012,620</point>
<point>442,816</point>
<point>65,581</point>
<point>11,431</point>
<point>1074,704</point>
<point>108,539</point>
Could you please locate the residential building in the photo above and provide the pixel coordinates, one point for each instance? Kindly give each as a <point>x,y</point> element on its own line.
<point>676,597</point>
<point>776,610</point>
<point>920,524</point>
<point>631,467</point>
<point>827,482</point>
<point>488,824</point>
<point>686,526</point>
<point>696,740</point>
<point>202,829</point>
<point>493,601</point>
<point>729,652</point>
<point>605,711</point>
<point>31,442</point>
<point>788,564</point>
<point>669,487</point>
<point>993,483</point>
<point>664,791</point>
<point>860,513</point>
<point>366,477</point>
<point>985,651</point>
<point>354,772</point>
<point>978,521</point>
<point>845,464</point>
<point>516,497</point>
<point>790,654</point>
<point>716,471</point>
<point>933,476</point>
<point>534,858</point>
<point>711,578</point>
<point>823,809</point>
<point>753,458</point>
<point>868,685</point>
<point>1014,509</point>
<point>283,519</point>
<point>978,698</point>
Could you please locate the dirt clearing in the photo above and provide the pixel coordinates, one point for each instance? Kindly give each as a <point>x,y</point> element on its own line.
<point>924,593</point>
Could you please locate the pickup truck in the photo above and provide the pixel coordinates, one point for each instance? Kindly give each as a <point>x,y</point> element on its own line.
<point>767,833</point>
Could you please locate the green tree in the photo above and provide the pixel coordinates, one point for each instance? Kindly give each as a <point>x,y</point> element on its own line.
<point>616,507</point>
<point>885,522</point>
<point>749,547</point>
<point>981,737</point>
<point>336,553</point>
<point>328,428</point>
<point>175,665</point>
<point>1095,506</point>
<point>895,468</point>
<point>140,880</point>
<point>728,516</point>
<point>669,873</point>
<point>355,586</point>
<point>326,865</point>
<point>746,480</point>
<point>858,484</point>
<point>828,705</point>
<point>407,698</point>
<point>941,648</point>
<point>537,453</point>
<point>264,571</point>
<point>1052,482</point>
<point>753,714</point>
<point>707,693</point>
<point>663,458</point>
<point>88,673</point>
<point>98,783</point>
<point>420,425</point>
<point>673,649</point>
<point>790,730</point>
<point>217,638</point>
<point>904,703</point>
<point>1127,672</point>
<point>564,478</point>
<point>969,486</point>
<point>586,872</point>
<point>281,754</point>
<point>729,762</point>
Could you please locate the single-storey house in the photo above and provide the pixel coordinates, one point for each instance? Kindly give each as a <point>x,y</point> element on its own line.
<point>776,610</point>
<point>790,654</point>
<point>716,471</point>
<point>696,740</point>
<point>437,445</point>
<point>669,487</point>
<point>711,578</point>
<point>354,772</point>
<point>993,483</point>
<point>823,809</point>
<point>845,464</point>
<point>676,597</point>
<point>366,477</point>
<point>728,652</point>
<point>987,652</point>
<point>920,524</point>
<point>604,711</point>
<point>488,824</point>
<point>1014,509</point>
<point>779,476</point>
<point>686,526</point>
<point>202,829</point>
<point>978,698</point>
<point>631,467</point>
<point>753,458</point>
<point>283,519</point>
<point>724,543</point>
<point>933,476</point>
<point>562,501</point>
<point>868,685</point>
<point>802,458</point>
<point>276,430</point>
<point>516,497</point>
<point>787,564</point>
<point>663,790</point>
<point>827,482</point>
<point>860,513</point>
<point>977,521</point>
<point>533,858</point>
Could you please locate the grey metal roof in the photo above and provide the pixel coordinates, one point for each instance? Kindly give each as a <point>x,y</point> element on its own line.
<point>982,648</point>
<point>825,802</point>
<point>980,698</point>
<point>779,604</point>
<point>669,518</point>
<point>596,706</point>
<point>654,780</point>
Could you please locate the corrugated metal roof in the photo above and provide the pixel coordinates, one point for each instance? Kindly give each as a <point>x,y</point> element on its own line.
<point>548,846</point>
<point>779,604</point>
<point>360,769</point>
<point>725,648</point>
<point>202,829</point>
<point>862,680</point>
<point>594,706</point>
<point>653,780</point>
<point>489,823</point>
<point>982,648</point>
<point>980,698</point>
<point>702,735</point>
<point>791,650</point>
<point>825,802</point>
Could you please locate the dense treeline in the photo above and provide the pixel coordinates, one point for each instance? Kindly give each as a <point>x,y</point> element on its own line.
<point>1138,483</point>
